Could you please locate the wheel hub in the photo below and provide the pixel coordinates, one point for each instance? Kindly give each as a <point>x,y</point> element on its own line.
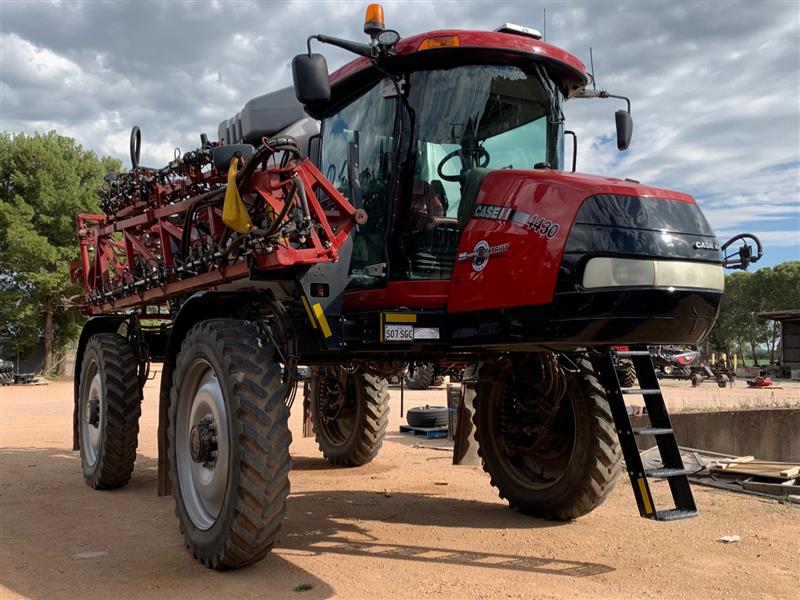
<point>203,441</point>
<point>203,448</point>
<point>93,414</point>
<point>92,410</point>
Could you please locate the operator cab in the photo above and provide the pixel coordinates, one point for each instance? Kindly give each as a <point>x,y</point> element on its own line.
<point>423,139</point>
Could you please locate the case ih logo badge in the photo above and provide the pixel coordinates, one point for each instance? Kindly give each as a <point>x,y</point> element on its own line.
<point>706,246</point>
<point>491,211</point>
<point>480,254</point>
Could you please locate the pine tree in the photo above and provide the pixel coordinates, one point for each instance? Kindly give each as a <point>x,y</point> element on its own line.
<point>44,181</point>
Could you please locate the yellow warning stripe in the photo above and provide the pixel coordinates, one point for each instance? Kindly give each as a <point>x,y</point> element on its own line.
<point>308,312</point>
<point>648,505</point>
<point>323,322</point>
<point>401,317</point>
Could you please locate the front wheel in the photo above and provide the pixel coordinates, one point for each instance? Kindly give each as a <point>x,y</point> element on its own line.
<point>228,443</point>
<point>546,437</point>
<point>349,414</point>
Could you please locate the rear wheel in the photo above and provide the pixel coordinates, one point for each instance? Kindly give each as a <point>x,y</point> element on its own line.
<point>109,407</point>
<point>228,443</point>
<point>421,376</point>
<point>547,437</point>
<point>349,413</point>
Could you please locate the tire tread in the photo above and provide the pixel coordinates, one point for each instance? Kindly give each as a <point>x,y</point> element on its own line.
<point>367,442</point>
<point>123,396</point>
<point>261,423</point>
<point>606,456</point>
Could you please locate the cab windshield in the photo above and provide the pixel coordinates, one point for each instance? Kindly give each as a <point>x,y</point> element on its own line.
<point>479,117</point>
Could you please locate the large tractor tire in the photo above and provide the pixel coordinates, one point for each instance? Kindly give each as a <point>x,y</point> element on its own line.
<point>428,416</point>
<point>421,377</point>
<point>549,459</point>
<point>228,443</point>
<point>626,373</point>
<point>349,414</point>
<point>109,401</point>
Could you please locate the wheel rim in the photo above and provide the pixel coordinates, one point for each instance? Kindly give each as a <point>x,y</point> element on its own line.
<point>202,444</point>
<point>548,462</point>
<point>338,412</point>
<point>92,410</point>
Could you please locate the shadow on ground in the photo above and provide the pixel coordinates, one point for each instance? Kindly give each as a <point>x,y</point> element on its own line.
<point>324,522</point>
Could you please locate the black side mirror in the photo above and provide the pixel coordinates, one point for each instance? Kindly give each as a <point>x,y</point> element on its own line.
<point>624,129</point>
<point>311,82</point>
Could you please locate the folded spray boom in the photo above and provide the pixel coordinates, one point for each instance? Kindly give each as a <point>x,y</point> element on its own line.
<point>209,217</point>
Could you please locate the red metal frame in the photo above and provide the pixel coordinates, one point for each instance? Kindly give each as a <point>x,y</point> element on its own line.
<point>131,257</point>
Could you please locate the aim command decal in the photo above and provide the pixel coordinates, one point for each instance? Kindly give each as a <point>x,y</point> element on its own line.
<point>542,226</point>
<point>480,254</point>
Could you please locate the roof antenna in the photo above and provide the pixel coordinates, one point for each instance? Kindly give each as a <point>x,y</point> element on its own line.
<point>544,26</point>
<point>591,60</point>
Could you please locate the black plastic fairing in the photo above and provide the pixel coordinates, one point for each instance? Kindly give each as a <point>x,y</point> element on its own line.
<point>635,227</point>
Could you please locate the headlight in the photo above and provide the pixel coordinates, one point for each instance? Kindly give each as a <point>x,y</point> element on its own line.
<point>605,271</point>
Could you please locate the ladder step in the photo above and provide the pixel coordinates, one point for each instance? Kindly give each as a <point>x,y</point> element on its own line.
<point>632,353</point>
<point>652,431</point>
<point>665,472</point>
<point>650,392</point>
<point>674,514</point>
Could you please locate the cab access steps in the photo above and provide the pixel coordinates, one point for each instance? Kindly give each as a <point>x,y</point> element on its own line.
<point>672,468</point>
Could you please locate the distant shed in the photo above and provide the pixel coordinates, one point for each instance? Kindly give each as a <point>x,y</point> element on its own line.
<point>790,335</point>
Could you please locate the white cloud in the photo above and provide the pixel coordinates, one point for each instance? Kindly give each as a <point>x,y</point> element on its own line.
<point>714,85</point>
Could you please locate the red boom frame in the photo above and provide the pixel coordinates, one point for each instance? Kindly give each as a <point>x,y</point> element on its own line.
<point>132,257</point>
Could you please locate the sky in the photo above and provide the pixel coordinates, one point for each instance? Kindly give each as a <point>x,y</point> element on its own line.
<point>715,87</point>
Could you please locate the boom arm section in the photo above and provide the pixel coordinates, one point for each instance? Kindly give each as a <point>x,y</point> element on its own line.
<point>164,237</point>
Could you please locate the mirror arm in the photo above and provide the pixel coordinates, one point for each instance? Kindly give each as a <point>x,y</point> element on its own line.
<point>628,100</point>
<point>602,94</point>
<point>354,47</point>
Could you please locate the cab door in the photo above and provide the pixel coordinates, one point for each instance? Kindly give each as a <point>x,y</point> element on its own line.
<point>357,156</point>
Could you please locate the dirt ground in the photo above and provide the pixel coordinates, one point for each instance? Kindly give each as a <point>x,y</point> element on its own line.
<point>408,525</point>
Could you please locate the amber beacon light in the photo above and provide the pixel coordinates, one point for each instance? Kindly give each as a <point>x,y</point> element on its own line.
<point>373,20</point>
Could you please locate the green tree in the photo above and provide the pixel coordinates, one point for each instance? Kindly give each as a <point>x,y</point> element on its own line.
<point>44,181</point>
<point>746,295</point>
<point>780,286</point>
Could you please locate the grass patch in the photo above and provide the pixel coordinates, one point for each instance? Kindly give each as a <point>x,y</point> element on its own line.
<point>304,587</point>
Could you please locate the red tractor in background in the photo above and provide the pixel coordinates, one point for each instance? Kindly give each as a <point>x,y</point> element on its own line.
<point>415,205</point>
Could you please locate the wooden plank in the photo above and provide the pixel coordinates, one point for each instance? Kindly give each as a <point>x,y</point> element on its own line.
<point>755,468</point>
<point>775,489</point>
<point>735,461</point>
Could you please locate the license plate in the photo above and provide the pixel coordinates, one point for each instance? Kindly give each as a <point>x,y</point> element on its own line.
<point>398,333</point>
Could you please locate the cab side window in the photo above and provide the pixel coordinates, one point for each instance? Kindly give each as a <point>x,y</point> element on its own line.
<point>365,126</point>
